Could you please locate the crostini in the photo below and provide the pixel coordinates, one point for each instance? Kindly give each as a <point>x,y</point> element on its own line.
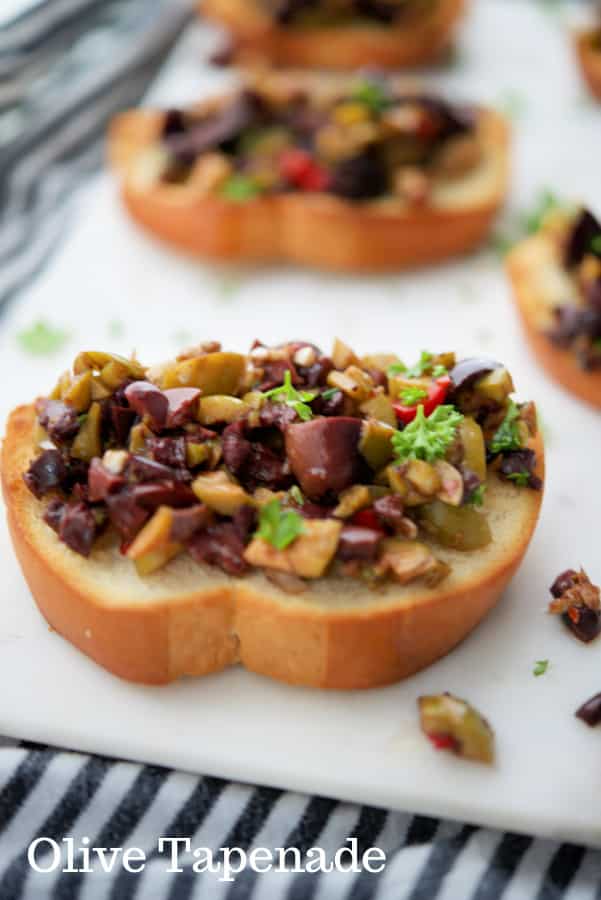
<point>588,48</point>
<point>332,521</point>
<point>337,34</point>
<point>350,175</point>
<point>556,278</point>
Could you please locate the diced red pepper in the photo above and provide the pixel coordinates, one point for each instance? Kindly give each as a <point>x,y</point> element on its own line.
<point>437,392</point>
<point>444,742</point>
<point>299,168</point>
<point>367,518</point>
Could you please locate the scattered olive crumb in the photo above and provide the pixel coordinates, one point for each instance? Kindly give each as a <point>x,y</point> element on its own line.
<point>453,724</point>
<point>578,601</point>
<point>42,339</point>
<point>590,712</point>
<point>540,667</point>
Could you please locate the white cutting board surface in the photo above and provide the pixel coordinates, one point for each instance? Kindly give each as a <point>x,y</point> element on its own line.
<point>358,746</point>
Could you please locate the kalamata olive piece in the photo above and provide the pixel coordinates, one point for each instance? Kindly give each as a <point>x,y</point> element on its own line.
<point>324,454</point>
<point>101,481</point>
<point>469,370</point>
<point>183,405</point>
<point>148,400</point>
<point>46,473</point>
<point>581,237</point>
<point>358,543</point>
<point>590,711</point>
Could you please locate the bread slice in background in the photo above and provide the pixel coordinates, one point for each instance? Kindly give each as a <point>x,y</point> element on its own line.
<point>540,283</point>
<point>589,57</point>
<point>256,37</point>
<point>318,230</point>
<point>189,619</point>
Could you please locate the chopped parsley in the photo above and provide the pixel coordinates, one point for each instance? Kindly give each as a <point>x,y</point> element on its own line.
<point>507,435</point>
<point>372,95</point>
<point>411,395</point>
<point>41,339</point>
<point>398,368</point>
<point>476,498</point>
<point>329,393</point>
<point>428,437</point>
<point>540,667</point>
<point>297,400</point>
<point>240,188</point>
<point>278,526</point>
<point>546,203</point>
<point>522,479</point>
<point>596,244</point>
<point>424,366</point>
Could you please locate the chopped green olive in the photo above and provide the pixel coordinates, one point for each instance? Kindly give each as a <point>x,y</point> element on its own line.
<point>453,724</point>
<point>459,527</point>
<point>212,373</point>
<point>87,443</point>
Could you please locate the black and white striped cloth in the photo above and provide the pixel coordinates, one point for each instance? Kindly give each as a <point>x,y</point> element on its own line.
<point>65,67</point>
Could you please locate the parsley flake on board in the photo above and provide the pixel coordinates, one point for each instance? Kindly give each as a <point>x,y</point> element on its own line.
<point>411,395</point>
<point>41,339</point>
<point>507,435</point>
<point>278,526</point>
<point>297,400</point>
<point>428,437</point>
<point>540,667</point>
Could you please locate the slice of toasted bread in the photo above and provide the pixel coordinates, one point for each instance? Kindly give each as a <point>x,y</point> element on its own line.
<point>318,230</point>
<point>414,42</point>
<point>191,620</point>
<point>589,56</point>
<point>540,283</point>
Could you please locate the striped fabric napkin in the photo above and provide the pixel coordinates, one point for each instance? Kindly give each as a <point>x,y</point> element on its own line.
<point>65,67</point>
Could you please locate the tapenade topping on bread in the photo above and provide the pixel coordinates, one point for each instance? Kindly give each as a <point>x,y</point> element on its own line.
<point>335,34</point>
<point>285,460</point>
<point>343,12</point>
<point>302,168</point>
<point>577,323</point>
<point>361,142</point>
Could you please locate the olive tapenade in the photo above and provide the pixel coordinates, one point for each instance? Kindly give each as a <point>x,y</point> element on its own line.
<point>318,13</point>
<point>556,276</point>
<point>285,460</point>
<point>361,141</point>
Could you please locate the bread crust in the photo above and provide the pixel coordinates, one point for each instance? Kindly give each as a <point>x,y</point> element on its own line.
<point>525,264</point>
<point>317,230</point>
<point>217,621</point>
<point>590,60</point>
<point>256,37</point>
